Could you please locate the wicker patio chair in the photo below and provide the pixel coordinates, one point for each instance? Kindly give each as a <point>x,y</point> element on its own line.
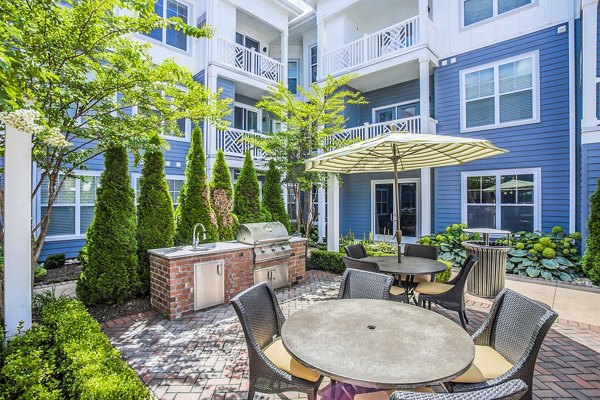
<point>356,251</point>
<point>449,295</point>
<point>423,251</point>
<point>514,329</point>
<point>359,284</point>
<point>397,293</point>
<point>511,390</point>
<point>272,368</point>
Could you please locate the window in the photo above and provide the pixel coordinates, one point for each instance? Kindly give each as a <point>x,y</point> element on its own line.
<point>502,200</point>
<point>73,209</point>
<point>174,182</point>
<point>313,63</point>
<point>293,76</point>
<point>479,10</point>
<point>396,111</point>
<point>168,9</point>
<point>245,118</point>
<point>247,41</point>
<point>505,93</point>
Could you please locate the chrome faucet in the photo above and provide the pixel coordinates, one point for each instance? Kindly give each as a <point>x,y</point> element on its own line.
<point>195,240</point>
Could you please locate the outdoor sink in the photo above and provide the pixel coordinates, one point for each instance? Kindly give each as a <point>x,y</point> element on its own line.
<point>204,246</point>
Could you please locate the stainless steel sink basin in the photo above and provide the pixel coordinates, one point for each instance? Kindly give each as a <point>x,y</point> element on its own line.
<point>204,246</point>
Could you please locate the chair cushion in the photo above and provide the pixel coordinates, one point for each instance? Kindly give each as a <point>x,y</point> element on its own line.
<point>417,278</point>
<point>385,394</point>
<point>432,287</point>
<point>488,364</point>
<point>396,290</point>
<point>279,356</point>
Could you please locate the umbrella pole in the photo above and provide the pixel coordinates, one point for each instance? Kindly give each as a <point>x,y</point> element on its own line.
<point>397,189</point>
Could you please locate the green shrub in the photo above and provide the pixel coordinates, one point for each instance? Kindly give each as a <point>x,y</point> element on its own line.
<point>443,277</point>
<point>329,261</point>
<point>273,196</point>
<point>109,258</point>
<point>55,261</point>
<point>246,198</point>
<point>221,193</point>
<point>155,223</point>
<point>194,198</point>
<point>91,368</point>
<point>450,243</point>
<point>39,271</point>
<point>30,369</point>
<point>591,259</point>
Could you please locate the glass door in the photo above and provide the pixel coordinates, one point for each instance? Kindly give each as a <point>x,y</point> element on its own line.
<point>384,207</point>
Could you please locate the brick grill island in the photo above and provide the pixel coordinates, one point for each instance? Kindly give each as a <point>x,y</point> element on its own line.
<point>176,283</point>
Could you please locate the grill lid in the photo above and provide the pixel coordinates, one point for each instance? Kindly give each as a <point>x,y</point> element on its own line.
<point>262,232</point>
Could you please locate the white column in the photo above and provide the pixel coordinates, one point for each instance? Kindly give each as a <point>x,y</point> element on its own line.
<point>17,230</point>
<point>211,20</point>
<point>211,130</point>
<point>322,200</point>
<point>425,128</point>
<point>589,51</point>
<point>423,20</point>
<point>333,213</point>
<point>321,39</point>
<point>284,56</point>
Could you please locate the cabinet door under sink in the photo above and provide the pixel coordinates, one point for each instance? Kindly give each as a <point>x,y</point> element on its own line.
<point>209,284</point>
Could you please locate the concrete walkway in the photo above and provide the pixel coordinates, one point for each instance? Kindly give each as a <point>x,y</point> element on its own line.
<point>66,289</point>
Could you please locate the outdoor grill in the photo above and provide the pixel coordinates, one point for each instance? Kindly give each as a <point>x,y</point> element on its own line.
<point>271,240</point>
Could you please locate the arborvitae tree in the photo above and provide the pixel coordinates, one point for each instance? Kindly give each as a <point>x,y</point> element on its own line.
<point>221,192</point>
<point>156,226</point>
<point>109,258</point>
<point>194,198</point>
<point>273,200</point>
<point>246,198</point>
<point>591,259</point>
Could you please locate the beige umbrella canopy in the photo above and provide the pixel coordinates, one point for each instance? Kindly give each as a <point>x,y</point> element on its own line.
<point>402,151</point>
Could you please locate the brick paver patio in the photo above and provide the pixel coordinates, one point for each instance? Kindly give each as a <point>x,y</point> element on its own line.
<point>204,356</point>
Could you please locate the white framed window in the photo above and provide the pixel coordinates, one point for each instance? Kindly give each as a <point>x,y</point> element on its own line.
<point>73,209</point>
<point>169,36</point>
<point>502,199</point>
<point>406,109</point>
<point>475,11</point>
<point>499,94</point>
<point>174,182</point>
<point>312,55</point>
<point>246,117</point>
<point>293,76</point>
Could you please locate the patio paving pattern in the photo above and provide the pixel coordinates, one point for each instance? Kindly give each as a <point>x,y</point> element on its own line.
<point>204,356</point>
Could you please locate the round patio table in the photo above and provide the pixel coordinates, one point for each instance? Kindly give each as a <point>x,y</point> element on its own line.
<point>409,266</point>
<point>378,344</point>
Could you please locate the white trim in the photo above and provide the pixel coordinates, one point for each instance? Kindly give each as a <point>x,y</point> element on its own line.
<point>189,43</point>
<point>287,83</point>
<point>374,110</point>
<point>589,51</point>
<point>535,82</point>
<point>77,205</point>
<point>572,132</point>
<point>258,112</point>
<point>310,65</point>
<point>495,15</point>
<point>537,192</point>
<point>417,182</point>
<point>187,135</point>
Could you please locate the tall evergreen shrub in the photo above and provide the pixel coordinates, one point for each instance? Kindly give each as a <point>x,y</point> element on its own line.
<point>591,259</point>
<point>221,192</point>
<point>156,226</point>
<point>109,258</point>
<point>194,198</point>
<point>273,200</point>
<point>246,198</point>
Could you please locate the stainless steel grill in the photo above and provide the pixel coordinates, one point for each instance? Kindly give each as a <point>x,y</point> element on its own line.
<point>270,240</point>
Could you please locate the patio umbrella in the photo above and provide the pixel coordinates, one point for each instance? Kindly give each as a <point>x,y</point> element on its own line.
<point>402,151</point>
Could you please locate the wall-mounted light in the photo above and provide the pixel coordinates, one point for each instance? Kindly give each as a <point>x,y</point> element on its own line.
<point>264,49</point>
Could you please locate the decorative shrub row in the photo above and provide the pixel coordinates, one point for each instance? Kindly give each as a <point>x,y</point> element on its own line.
<point>67,357</point>
<point>551,256</point>
<point>328,261</point>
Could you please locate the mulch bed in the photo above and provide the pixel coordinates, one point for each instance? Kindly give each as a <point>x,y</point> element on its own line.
<point>106,313</point>
<point>69,272</point>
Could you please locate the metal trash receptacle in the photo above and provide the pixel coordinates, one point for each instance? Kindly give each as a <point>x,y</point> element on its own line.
<point>488,276</point>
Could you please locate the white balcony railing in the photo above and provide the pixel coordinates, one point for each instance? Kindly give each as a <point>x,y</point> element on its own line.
<point>395,38</point>
<point>233,143</point>
<point>368,131</point>
<point>248,60</point>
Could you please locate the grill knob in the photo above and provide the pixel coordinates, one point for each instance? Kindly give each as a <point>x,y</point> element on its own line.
<point>273,249</point>
<point>282,247</point>
<point>263,251</point>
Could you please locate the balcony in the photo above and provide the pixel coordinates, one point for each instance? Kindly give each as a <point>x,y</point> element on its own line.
<point>368,131</point>
<point>394,39</point>
<point>233,143</point>
<point>247,60</point>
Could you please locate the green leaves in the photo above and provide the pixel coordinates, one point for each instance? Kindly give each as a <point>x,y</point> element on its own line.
<point>591,259</point>
<point>533,272</point>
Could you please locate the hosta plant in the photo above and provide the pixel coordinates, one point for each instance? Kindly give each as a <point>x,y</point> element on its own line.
<point>450,243</point>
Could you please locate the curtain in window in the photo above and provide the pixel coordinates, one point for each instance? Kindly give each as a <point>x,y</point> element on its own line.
<point>62,220</point>
<point>516,90</point>
<point>477,10</point>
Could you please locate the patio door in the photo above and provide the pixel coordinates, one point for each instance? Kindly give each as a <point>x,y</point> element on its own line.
<point>383,209</point>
